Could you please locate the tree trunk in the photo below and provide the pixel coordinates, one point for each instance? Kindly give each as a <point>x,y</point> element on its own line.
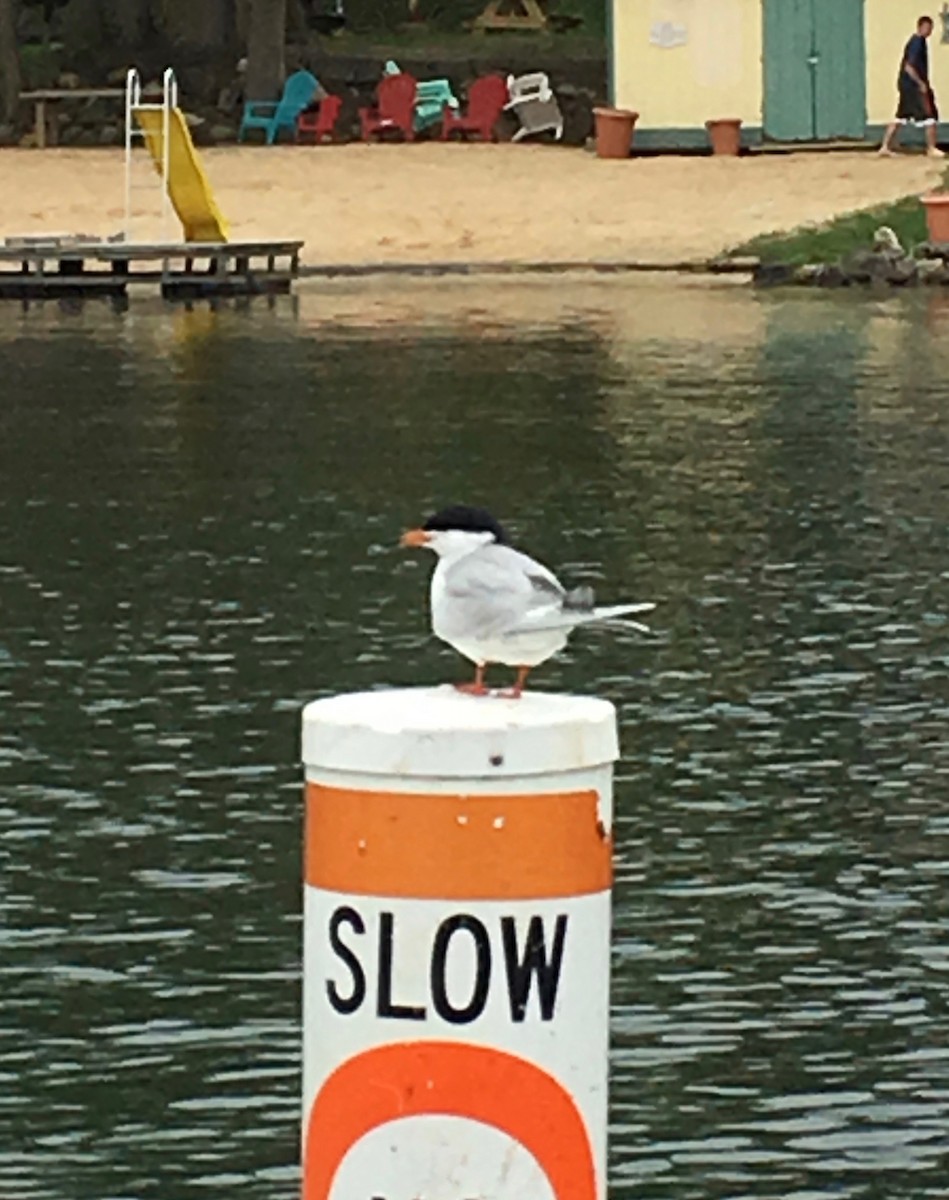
<point>9,62</point>
<point>266,37</point>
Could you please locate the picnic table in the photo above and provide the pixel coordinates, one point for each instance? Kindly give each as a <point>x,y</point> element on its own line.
<point>44,96</point>
<point>512,14</point>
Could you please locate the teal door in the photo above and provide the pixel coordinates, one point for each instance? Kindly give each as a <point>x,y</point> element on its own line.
<point>815,72</point>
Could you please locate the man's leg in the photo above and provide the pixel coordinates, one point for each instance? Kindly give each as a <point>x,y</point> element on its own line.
<point>888,138</point>
<point>932,149</point>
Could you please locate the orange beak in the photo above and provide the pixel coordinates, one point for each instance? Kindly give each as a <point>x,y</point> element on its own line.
<point>414,538</point>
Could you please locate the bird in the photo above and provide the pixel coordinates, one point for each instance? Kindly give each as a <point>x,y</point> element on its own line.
<point>495,604</point>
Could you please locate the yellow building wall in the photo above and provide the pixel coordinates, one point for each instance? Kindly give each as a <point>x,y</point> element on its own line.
<point>889,24</point>
<point>715,72</point>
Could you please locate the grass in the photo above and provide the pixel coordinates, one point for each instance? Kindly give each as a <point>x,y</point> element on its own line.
<point>837,239</point>
<point>841,237</point>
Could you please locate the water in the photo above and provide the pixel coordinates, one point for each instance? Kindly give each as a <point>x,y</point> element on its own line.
<point>198,513</point>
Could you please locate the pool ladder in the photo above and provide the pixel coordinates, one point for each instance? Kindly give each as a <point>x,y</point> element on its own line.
<point>167,105</point>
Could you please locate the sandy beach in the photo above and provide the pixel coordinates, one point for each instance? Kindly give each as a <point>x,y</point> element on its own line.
<point>466,203</point>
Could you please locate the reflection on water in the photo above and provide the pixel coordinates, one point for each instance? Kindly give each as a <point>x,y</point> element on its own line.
<point>198,514</point>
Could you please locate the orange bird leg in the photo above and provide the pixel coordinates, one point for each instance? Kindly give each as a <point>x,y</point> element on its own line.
<point>514,693</point>
<point>477,688</point>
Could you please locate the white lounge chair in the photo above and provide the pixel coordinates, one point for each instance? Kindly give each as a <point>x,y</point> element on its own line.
<point>534,104</point>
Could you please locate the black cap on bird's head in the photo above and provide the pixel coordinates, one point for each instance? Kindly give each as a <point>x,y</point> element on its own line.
<point>460,518</point>
<point>466,519</point>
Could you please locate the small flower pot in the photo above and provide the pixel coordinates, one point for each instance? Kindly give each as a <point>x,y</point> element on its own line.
<point>614,132</point>
<point>937,216</point>
<point>725,135</point>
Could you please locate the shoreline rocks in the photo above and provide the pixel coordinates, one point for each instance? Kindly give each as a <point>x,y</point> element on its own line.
<point>887,264</point>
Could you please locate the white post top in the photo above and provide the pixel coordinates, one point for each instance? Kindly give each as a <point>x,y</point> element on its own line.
<point>440,733</point>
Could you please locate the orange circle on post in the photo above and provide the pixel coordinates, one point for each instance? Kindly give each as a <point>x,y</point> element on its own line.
<point>448,1079</point>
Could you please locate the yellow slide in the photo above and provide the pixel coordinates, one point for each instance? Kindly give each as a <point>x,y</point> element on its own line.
<point>188,186</point>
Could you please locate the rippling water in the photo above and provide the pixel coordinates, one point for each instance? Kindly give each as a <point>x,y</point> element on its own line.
<point>197,518</point>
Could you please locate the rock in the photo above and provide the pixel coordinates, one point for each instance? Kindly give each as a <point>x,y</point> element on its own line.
<point>863,265</point>
<point>832,276</point>
<point>809,274</point>
<point>222,133</point>
<point>109,135</point>
<point>902,272</point>
<point>85,136</point>
<point>937,250</point>
<point>28,141</point>
<point>773,274</point>
<point>69,79</point>
<point>868,266</point>
<point>885,241</point>
<point>932,271</point>
<point>7,135</point>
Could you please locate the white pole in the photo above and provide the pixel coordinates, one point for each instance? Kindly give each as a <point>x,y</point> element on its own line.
<point>168,102</point>
<point>132,98</point>
<point>456,945</point>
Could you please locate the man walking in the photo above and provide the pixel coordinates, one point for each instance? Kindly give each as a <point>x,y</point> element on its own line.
<point>917,104</point>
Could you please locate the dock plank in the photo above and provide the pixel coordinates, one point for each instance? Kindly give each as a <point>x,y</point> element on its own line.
<point>33,268</point>
<point>110,251</point>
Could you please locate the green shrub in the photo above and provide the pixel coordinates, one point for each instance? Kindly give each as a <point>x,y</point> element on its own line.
<point>39,66</point>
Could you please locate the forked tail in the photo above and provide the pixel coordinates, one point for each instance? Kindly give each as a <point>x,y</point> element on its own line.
<point>572,615</point>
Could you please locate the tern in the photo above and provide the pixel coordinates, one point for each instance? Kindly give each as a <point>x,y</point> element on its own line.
<point>494,604</point>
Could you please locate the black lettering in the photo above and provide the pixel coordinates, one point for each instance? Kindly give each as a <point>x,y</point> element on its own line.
<point>346,1004</point>
<point>479,992</point>
<point>385,1007</point>
<point>521,969</point>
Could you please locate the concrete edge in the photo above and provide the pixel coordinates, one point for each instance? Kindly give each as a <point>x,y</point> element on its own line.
<point>718,266</point>
<point>753,138</point>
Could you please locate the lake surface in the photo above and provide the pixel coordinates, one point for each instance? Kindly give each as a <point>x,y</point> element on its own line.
<point>198,513</point>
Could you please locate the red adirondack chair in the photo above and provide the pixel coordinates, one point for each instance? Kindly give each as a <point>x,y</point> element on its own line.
<point>487,97</point>
<point>394,110</point>
<point>321,123</point>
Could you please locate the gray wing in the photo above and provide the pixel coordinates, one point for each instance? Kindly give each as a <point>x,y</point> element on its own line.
<point>497,588</point>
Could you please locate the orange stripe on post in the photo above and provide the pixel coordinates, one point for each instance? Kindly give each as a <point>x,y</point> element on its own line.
<point>506,847</point>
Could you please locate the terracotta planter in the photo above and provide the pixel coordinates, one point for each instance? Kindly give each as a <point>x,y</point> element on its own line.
<point>937,216</point>
<point>725,135</point>
<point>614,132</point>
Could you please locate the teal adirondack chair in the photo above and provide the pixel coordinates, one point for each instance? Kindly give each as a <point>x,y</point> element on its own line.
<point>274,115</point>
<point>432,97</point>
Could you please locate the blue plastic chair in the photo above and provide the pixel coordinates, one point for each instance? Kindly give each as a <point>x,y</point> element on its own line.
<point>274,115</point>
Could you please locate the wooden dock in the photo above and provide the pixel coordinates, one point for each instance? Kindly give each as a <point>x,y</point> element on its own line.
<point>36,268</point>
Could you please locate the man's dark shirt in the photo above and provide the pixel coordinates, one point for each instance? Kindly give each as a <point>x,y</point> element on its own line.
<point>917,55</point>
